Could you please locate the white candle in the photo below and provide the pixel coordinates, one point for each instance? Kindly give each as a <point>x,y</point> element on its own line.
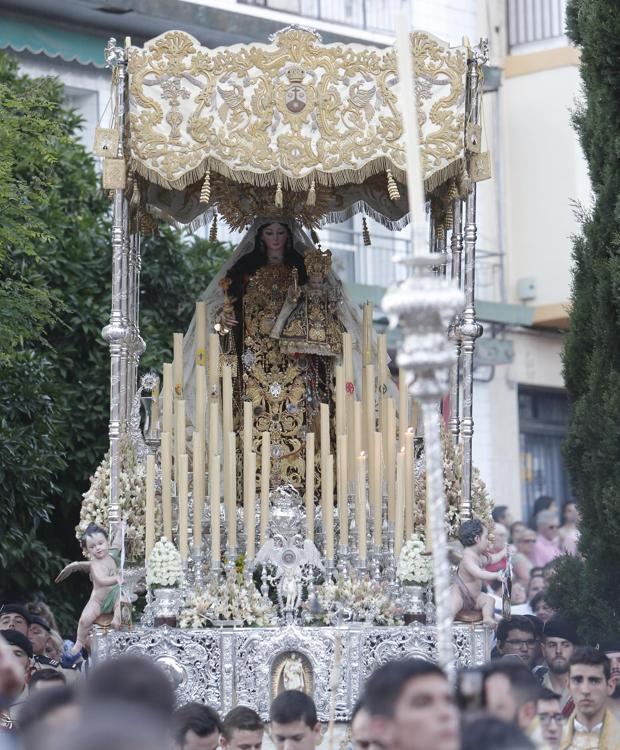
<point>214,365</point>
<point>357,429</point>
<point>361,507</point>
<point>227,402</point>
<point>265,474</point>
<point>247,450</point>
<point>250,528</point>
<point>367,333</point>
<point>198,488</point>
<point>183,521</point>
<point>177,340</point>
<point>325,451</point>
<point>341,485</point>
<point>410,508</point>
<point>310,485</point>
<point>400,502</point>
<point>201,333</point>
<point>328,519</point>
<point>168,391</point>
<point>377,500</point>
<point>370,426</point>
<point>154,426</point>
<point>166,483</point>
<point>403,406</point>
<point>149,510</point>
<point>390,456</point>
<point>179,433</point>
<point>201,398</point>
<point>340,400</point>
<point>349,397</point>
<point>214,490</point>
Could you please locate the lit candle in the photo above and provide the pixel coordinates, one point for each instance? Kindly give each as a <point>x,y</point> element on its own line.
<point>328,519</point>
<point>400,502</point>
<point>149,510</point>
<point>168,390</point>
<point>361,507</point>
<point>410,508</point>
<point>310,486</point>
<point>390,455</point>
<point>198,488</point>
<point>377,499</point>
<point>166,483</point>
<point>214,480</point>
<point>177,341</point>
<point>403,406</point>
<point>201,398</point>
<point>230,500</point>
<point>201,333</point>
<point>214,364</point>
<point>341,486</point>
<point>340,401</point>
<point>183,537</point>
<point>250,528</point>
<point>265,474</point>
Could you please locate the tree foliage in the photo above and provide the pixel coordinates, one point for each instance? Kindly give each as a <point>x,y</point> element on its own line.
<point>55,297</point>
<point>589,591</point>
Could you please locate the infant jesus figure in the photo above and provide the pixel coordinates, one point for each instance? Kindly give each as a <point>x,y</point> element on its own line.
<point>105,598</point>
<point>467,595</point>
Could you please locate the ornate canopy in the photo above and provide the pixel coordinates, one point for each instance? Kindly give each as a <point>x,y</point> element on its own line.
<point>309,129</point>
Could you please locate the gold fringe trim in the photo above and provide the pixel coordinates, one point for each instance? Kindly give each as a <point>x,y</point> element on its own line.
<point>393,191</point>
<point>311,199</point>
<point>365,232</point>
<point>213,231</point>
<point>279,199</point>
<point>205,192</point>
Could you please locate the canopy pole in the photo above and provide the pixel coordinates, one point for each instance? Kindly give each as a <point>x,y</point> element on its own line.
<point>456,248</point>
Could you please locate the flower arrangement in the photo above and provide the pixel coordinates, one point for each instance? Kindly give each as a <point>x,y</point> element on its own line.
<point>132,496</point>
<point>164,568</point>
<point>354,600</point>
<point>232,599</point>
<point>414,566</point>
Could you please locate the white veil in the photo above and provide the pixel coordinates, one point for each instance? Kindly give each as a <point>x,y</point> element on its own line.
<point>350,313</point>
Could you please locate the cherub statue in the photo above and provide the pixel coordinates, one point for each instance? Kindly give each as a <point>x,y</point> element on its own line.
<point>467,595</point>
<point>105,598</point>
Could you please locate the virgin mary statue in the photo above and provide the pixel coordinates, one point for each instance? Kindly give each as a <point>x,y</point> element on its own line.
<point>277,275</point>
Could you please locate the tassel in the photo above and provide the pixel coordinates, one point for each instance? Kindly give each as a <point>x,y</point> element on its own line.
<point>365,232</point>
<point>314,237</point>
<point>311,199</point>
<point>279,201</point>
<point>213,231</point>
<point>205,192</point>
<point>392,187</point>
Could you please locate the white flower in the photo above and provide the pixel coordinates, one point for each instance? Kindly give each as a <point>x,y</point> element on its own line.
<point>232,599</point>
<point>164,567</point>
<point>413,564</point>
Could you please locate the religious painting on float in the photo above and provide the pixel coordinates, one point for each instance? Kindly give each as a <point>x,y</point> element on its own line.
<point>292,671</point>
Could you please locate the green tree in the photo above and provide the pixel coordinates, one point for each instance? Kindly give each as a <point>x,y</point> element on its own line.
<point>589,591</point>
<point>55,253</point>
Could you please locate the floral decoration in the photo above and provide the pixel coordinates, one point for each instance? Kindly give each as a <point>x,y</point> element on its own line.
<point>352,600</point>
<point>164,568</point>
<point>414,565</point>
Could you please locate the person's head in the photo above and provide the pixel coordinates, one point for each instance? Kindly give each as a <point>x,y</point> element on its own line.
<point>544,502</point>
<point>550,717</point>
<point>242,729</point>
<point>525,543</point>
<point>473,533</point>
<point>518,595</point>
<point>411,706</point>
<point>42,610</point>
<point>95,541</point>
<point>511,692</point>
<point>293,721</point>
<point>360,727</point>
<point>273,239</point>
<point>517,636</point>
<point>38,634</point>
<point>20,646</point>
<point>589,683</point>
<point>501,514</point>
<point>570,512</point>
<point>549,571</point>
<point>48,709</point>
<point>611,649</point>
<point>500,537</point>
<point>516,531</point>
<point>490,733</point>
<point>547,524</point>
<point>535,586</point>
<point>558,644</point>
<point>134,681</point>
<point>44,679</point>
<point>14,617</point>
<point>196,727</point>
<point>53,647</point>
<point>541,608</point>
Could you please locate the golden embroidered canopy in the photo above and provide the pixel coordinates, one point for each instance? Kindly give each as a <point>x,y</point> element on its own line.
<point>311,129</point>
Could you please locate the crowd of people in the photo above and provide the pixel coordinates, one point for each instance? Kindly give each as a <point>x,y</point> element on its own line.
<point>543,689</point>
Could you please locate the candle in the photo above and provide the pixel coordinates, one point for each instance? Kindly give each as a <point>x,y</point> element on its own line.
<point>310,486</point>
<point>166,483</point>
<point>328,518</point>
<point>201,333</point>
<point>400,502</point>
<point>198,451</point>
<point>227,403</point>
<point>214,491</point>
<point>390,455</point>
<point>183,542</point>
<point>403,406</point>
<point>230,500</point>
<point>341,485</point>
<point>410,508</point>
<point>265,474</point>
<point>250,527</point>
<point>383,372</point>
<point>201,399</point>
<point>214,364</point>
<point>360,515</point>
<point>214,429</point>
<point>247,450</point>
<point>367,333</point>
<point>349,397</point>
<point>368,413</point>
<point>340,401</point>
<point>179,434</point>
<point>149,510</point>
<point>357,428</point>
<point>177,362</point>
<point>168,389</point>
<point>325,451</point>
<point>154,426</point>
<point>377,499</point>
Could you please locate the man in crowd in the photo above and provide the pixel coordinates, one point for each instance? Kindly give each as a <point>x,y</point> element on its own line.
<point>360,726</point>
<point>39,633</point>
<point>511,692</point>
<point>411,707</point>
<point>558,645</point>
<point>592,725</point>
<point>611,649</point>
<point>547,546</point>
<point>550,718</point>
<point>196,727</point>
<point>44,679</point>
<point>501,514</point>
<point>21,648</point>
<point>14,617</point>
<point>242,729</point>
<point>517,636</point>
<point>294,723</point>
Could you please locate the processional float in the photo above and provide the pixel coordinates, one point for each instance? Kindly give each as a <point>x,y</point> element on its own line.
<point>306,134</point>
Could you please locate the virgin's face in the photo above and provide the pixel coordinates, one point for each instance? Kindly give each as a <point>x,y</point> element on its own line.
<point>274,236</point>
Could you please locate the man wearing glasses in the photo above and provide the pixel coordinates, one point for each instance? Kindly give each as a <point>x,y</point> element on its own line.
<point>517,637</point>
<point>547,545</point>
<point>550,718</point>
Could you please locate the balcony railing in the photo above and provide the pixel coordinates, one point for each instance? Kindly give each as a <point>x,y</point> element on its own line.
<point>370,15</point>
<point>535,23</point>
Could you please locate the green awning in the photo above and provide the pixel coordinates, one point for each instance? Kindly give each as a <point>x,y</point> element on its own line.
<point>52,41</point>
